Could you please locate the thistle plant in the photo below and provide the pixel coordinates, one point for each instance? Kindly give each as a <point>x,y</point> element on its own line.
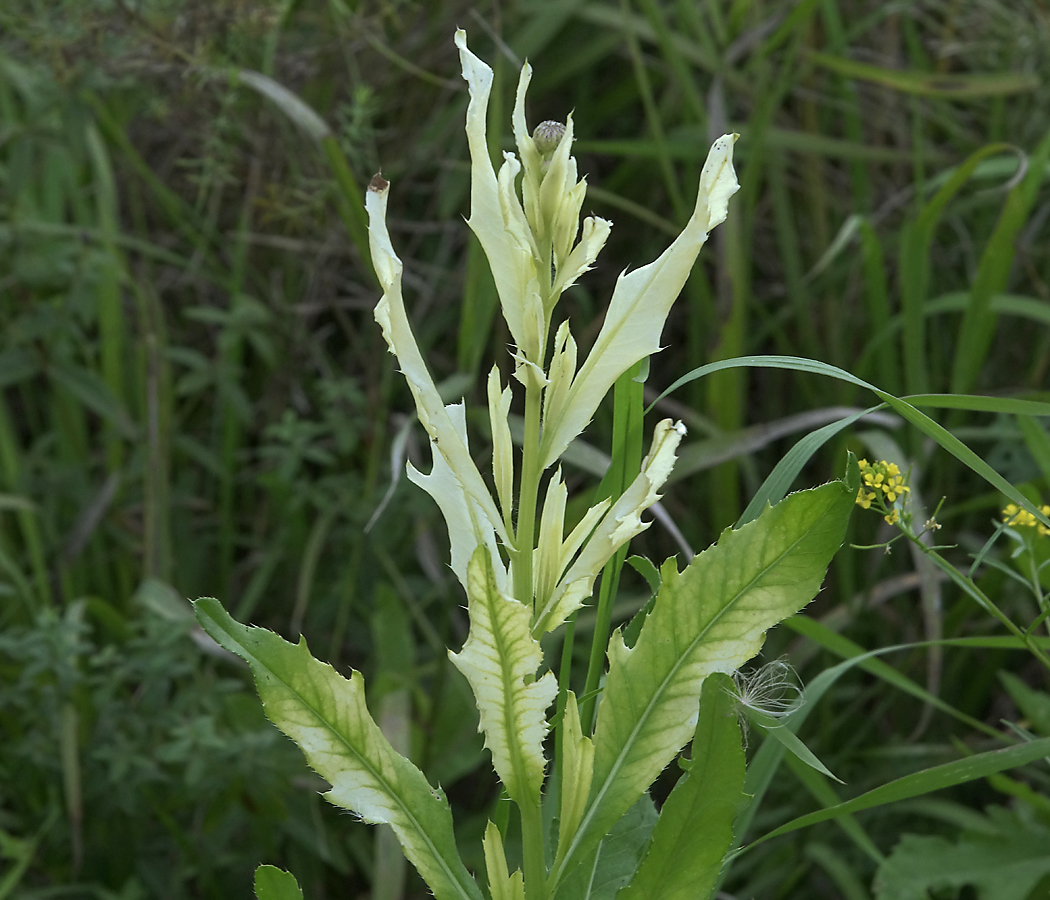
<point>525,573</point>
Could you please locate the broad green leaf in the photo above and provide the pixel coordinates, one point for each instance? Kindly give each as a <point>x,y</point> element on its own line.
<point>695,828</point>
<point>1004,861</point>
<point>325,714</point>
<point>712,617</point>
<point>608,867</point>
<point>500,659</point>
<point>272,883</point>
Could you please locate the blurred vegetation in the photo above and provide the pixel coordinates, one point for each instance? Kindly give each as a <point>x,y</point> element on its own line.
<point>194,399</point>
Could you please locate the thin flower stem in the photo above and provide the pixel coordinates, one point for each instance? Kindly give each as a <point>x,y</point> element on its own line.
<point>534,865</point>
<point>528,495</point>
<point>970,587</point>
<point>627,457</point>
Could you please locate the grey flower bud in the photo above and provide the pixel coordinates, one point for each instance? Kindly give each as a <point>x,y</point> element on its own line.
<point>547,137</point>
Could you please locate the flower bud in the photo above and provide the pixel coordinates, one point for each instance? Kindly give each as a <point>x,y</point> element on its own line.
<point>547,136</point>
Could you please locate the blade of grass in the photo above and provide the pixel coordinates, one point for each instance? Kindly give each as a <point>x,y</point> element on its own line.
<point>917,784</point>
<point>906,410</point>
<point>914,269</point>
<point>993,271</point>
<point>956,86</point>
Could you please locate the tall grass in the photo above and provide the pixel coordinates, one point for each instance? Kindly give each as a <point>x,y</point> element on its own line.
<point>194,396</point>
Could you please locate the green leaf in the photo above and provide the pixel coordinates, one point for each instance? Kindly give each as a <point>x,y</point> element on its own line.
<point>502,885</point>
<point>326,715</point>
<point>500,659</point>
<point>695,828</point>
<point>647,570</point>
<point>906,410</point>
<point>1034,705</point>
<point>931,84</point>
<point>272,883</point>
<point>980,765</point>
<point>710,618</point>
<point>1005,862</point>
<point>609,866</point>
<point>790,741</point>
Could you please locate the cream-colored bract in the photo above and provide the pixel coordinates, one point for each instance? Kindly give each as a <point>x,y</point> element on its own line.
<point>532,248</point>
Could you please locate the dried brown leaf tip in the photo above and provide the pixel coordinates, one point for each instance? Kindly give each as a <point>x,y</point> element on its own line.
<point>378,183</point>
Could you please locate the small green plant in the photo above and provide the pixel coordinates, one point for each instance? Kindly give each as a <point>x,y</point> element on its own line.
<point>587,825</point>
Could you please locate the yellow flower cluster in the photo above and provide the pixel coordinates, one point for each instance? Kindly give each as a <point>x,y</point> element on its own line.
<point>1022,518</point>
<point>883,483</point>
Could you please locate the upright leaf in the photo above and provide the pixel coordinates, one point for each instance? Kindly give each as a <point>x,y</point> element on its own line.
<point>502,885</point>
<point>500,659</point>
<point>710,618</point>
<point>325,714</point>
<point>695,828</point>
<point>639,307</point>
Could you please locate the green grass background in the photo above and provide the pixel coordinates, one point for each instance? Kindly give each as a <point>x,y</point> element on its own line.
<point>194,399</point>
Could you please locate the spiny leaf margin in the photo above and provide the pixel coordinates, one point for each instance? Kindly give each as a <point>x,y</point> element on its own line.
<point>500,659</point>
<point>712,617</point>
<point>326,715</point>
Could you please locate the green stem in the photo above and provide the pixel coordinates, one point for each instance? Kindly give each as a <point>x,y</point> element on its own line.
<point>534,865</point>
<point>970,587</point>
<point>528,495</point>
<point>626,461</point>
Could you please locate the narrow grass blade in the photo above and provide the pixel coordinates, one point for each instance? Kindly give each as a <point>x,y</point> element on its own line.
<point>917,784</point>
<point>993,272</point>
<point>906,410</point>
<point>930,84</point>
<point>914,268</point>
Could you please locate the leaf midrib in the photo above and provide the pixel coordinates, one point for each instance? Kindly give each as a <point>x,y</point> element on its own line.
<point>632,737</point>
<point>417,826</point>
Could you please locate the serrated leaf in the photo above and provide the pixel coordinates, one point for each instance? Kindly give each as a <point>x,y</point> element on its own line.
<point>325,714</point>
<point>500,659</point>
<point>1005,865</point>
<point>695,828</point>
<point>712,617</point>
<point>272,883</point>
